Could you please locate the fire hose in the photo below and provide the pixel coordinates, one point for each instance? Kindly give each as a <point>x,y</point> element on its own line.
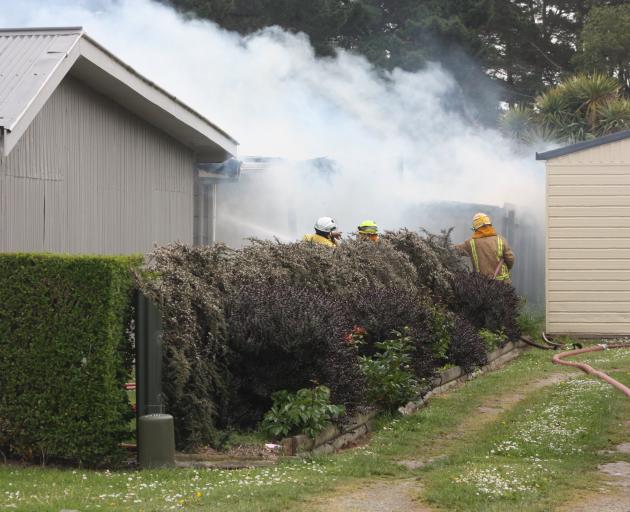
<point>549,345</point>
<point>577,349</point>
<point>532,343</point>
<point>559,359</point>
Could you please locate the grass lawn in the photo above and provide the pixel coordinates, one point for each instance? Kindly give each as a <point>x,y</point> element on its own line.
<point>528,457</point>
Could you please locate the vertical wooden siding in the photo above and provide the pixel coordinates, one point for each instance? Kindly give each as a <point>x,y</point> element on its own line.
<point>89,177</point>
<point>588,241</point>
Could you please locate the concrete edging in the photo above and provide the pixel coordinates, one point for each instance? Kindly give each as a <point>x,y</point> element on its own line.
<point>496,359</point>
<point>334,438</point>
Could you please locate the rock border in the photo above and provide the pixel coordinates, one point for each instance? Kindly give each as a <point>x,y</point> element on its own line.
<point>334,438</point>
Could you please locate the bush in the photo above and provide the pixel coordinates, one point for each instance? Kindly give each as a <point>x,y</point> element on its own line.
<point>486,303</point>
<point>380,310</point>
<point>390,379</point>
<point>352,266</point>
<point>492,340</point>
<point>187,283</point>
<point>285,337</point>
<point>242,324</point>
<point>307,411</point>
<point>466,349</point>
<point>433,258</point>
<point>64,357</point>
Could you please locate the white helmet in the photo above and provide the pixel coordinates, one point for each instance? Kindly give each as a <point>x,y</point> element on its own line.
<point>326,225</point>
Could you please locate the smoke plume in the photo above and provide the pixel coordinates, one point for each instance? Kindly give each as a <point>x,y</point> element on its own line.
<point>394,137</point>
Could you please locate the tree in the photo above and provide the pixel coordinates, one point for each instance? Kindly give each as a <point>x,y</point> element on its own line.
<point>580,108</point>
<point>605,43</point>
<point>328,23</point>
<point>523,46</point>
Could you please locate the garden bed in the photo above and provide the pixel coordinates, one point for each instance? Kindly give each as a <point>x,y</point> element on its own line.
<point>335,437</point>
<point>287,338</point>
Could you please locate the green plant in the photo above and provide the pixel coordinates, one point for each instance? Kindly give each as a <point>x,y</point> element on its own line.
<point>388,374</point>
<point>64,356</point>
<point>517,121</point>
<point>441,328</point>
<point>492,340</point>
<point>531,323</point>
<point>307,411</point>
<point>614,116</point>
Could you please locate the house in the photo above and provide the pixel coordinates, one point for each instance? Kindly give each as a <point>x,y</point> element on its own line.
<point>95,158</point>
<point>588,237</point>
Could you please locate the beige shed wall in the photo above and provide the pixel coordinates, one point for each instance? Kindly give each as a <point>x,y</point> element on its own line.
<point>588,241</point>
<point>89,177</point>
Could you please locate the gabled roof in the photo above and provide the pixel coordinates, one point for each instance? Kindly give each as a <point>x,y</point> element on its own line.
<point>34,61</point>
<point>580,146</point>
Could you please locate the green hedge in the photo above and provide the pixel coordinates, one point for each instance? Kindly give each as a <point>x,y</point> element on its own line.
<point>64,356</point>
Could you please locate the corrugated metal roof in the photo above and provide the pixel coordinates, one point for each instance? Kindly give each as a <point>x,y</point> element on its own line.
<point>581,146</point>
<point>34,61</point>
<point>27,59</point>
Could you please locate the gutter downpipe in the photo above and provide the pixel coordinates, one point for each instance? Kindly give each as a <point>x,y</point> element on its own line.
<point>209,175</point>
<point>212,228</point>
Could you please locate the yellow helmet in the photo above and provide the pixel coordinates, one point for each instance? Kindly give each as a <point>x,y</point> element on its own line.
<point>479,220</point>
<point>368,227</point>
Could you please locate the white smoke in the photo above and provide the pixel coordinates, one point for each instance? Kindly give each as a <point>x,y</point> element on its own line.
<point>393,136</point>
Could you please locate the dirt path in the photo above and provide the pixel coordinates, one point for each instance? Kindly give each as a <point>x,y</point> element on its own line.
<point>406,495</point>
<point>614,495</point>
<point>487,413</point>
<point>376,496</point>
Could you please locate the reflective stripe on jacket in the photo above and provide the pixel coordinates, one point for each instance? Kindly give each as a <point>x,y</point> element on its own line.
<point>503,274</point>
<point>486,252</point>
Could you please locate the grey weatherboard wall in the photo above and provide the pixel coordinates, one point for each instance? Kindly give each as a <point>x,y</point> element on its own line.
<point>88,176</point>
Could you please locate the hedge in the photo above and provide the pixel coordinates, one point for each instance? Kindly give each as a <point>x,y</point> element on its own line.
<point>64,356</point>
<point>239,325</point>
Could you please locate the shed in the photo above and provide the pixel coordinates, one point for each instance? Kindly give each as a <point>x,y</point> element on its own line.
<point>588,237</point>
<point>95,158</point>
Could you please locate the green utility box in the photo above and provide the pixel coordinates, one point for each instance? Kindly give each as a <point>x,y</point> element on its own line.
<point>155,432</point>
<point>156,441</point>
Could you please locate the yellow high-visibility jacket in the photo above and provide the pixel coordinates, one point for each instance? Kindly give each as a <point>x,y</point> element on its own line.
<point>319,239</point>
<point>485,253</point>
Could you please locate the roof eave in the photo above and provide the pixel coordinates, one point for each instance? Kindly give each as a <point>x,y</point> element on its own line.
<point>36,30</point>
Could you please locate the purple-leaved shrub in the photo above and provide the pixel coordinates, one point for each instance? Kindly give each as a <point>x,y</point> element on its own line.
<point>486,303</point>
<point>239,325</point>
<point>466,349</point>
<point>287,337</point>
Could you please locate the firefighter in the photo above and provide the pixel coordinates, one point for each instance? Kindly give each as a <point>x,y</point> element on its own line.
<point>489,252</point>
<point>368,230</point>
<point>325,232</point>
